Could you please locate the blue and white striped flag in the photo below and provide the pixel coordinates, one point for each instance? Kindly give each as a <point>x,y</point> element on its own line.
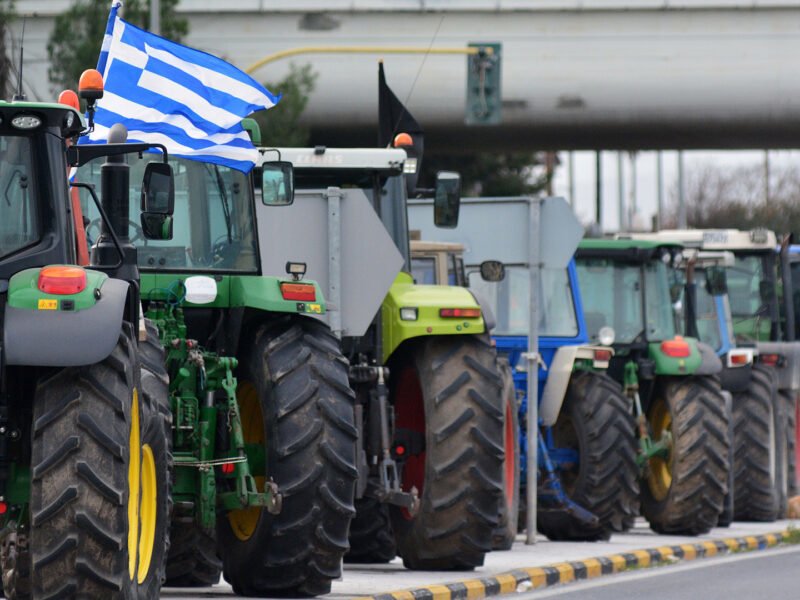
<point>189,101</point>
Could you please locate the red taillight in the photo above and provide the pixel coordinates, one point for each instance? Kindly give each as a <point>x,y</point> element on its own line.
<point>3,508</point>
<point>227,468</point>
<point>62,280</point>
<point>677,348</point>
<point>602,355</point>
<point>738,359</point>
<point>770,360</point>
<point>399,450</point>
<point>459,313</point>
<point>298,291</point>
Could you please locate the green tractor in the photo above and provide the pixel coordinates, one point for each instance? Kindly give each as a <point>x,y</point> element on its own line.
<point>673,382</point>
<point>85,465</point>
<point>263,423</point>
<point>762,300</point>
<point>429,402</point>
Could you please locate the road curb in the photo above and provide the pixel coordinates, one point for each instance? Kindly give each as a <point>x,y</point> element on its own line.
<point>530,578</point>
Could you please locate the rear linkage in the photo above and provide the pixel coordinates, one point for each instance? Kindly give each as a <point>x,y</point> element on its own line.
<point>207,427</point>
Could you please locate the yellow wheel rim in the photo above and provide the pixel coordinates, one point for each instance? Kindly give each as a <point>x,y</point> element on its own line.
<point>134,481</point>
<point>245,520</point>
<point>147,513</point>
<point>659,477</point>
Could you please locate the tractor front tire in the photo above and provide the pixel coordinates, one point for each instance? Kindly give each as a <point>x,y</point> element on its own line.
<point>295,399</point>
<point>757,438</point>
<point>596,422</point>
<point>684,492</point>
<point>371,535</point>
<point>447,393</point>
<point>85,471</point>
<point>508,518</point>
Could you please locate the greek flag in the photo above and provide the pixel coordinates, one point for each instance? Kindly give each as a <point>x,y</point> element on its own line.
<point>165,93</point>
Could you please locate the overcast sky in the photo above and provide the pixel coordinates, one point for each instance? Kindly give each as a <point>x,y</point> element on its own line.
<point>646,178</point>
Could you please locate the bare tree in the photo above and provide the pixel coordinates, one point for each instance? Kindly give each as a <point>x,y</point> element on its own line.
<point>734,197</point>
<point>6,63</point>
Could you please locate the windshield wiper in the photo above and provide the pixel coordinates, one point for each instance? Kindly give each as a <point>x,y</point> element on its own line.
<point>226,209</point>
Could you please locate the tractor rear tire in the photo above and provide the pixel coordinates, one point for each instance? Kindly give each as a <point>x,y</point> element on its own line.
<point>157,461</point>
<point>596,421</point>
<point>726,516</point>
<point>790,426</point>
<point>193,560</point>
<point>757,427</point>
<point>371,535</point>
<point>448,393</point>
<point>508,519</point>
<point>85,431</point>
<point>685,493</point>
<point>294,398</point>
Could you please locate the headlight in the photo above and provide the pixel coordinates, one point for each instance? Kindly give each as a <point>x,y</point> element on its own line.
<point>606,336</point>
<point>26,122</point>
<point>408,314</point>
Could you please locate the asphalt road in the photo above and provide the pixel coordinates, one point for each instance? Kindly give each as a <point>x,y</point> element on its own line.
<point>765,575</point>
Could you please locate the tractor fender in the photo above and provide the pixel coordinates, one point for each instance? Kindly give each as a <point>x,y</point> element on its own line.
<point>710,363</point>
<point>58,338</point>
<point>486,310</point>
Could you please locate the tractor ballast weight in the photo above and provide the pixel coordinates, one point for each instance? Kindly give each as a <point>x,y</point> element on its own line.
<point>571,380</point>
<point>417,346</point>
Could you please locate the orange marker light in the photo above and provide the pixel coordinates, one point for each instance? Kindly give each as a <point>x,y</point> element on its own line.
<point>62,280</point>
<point>70,98</point>
<point>298,291</point>
<point>90,85</point>
<point>677,348</point>
<point>402,139</point>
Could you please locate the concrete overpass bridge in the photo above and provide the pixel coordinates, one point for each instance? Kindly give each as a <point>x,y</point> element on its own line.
<point>576,74</point>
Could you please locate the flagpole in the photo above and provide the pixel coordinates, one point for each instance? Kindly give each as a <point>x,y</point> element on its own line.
<point>155,17</point>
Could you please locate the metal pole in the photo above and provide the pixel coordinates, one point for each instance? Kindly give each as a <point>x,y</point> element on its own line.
<point>155,16</point>
<point>571,178</point>
<point>623,225</point>
<point>766,176</point>
<point>334,297</point>
<point>660,190</point>
<point>633,209</point>
<point>533,370</point>
<point>681,194</point>
<point>598,190</point>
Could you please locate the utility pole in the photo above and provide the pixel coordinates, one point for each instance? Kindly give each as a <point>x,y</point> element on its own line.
<point>660,190</point>
<point>681,194</point>
<point>623,225</point>
<point>155,17</point>
<point>598,189</point>
<point>571,178</point>
<point>766,176</point>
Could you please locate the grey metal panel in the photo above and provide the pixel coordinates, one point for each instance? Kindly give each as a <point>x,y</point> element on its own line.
<point>65,338</point>
<point>494,229</point>
<point>369,259</point>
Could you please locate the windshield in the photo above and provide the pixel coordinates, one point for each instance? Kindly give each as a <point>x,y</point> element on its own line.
<point>510,301</point>
<point>613,296</point>
<point>213,219</point>
<point>707,316</point>
<point>19,218</point>
<point>423,269</point>
<point>747,288</point>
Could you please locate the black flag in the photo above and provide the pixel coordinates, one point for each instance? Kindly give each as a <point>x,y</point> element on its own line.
<point>394,118</point>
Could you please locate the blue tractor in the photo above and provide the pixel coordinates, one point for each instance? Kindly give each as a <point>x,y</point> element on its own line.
<point>588,485</point>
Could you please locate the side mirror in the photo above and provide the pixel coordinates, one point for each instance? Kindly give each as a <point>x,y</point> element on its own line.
<point>157,226</point>
<point>277,183</point>
<point>447,199</point>
<point>716,281</point>
<point>158,189</point>
<point>493,270</point>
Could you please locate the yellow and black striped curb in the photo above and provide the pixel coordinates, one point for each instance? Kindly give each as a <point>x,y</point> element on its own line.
<point>524,579</point>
